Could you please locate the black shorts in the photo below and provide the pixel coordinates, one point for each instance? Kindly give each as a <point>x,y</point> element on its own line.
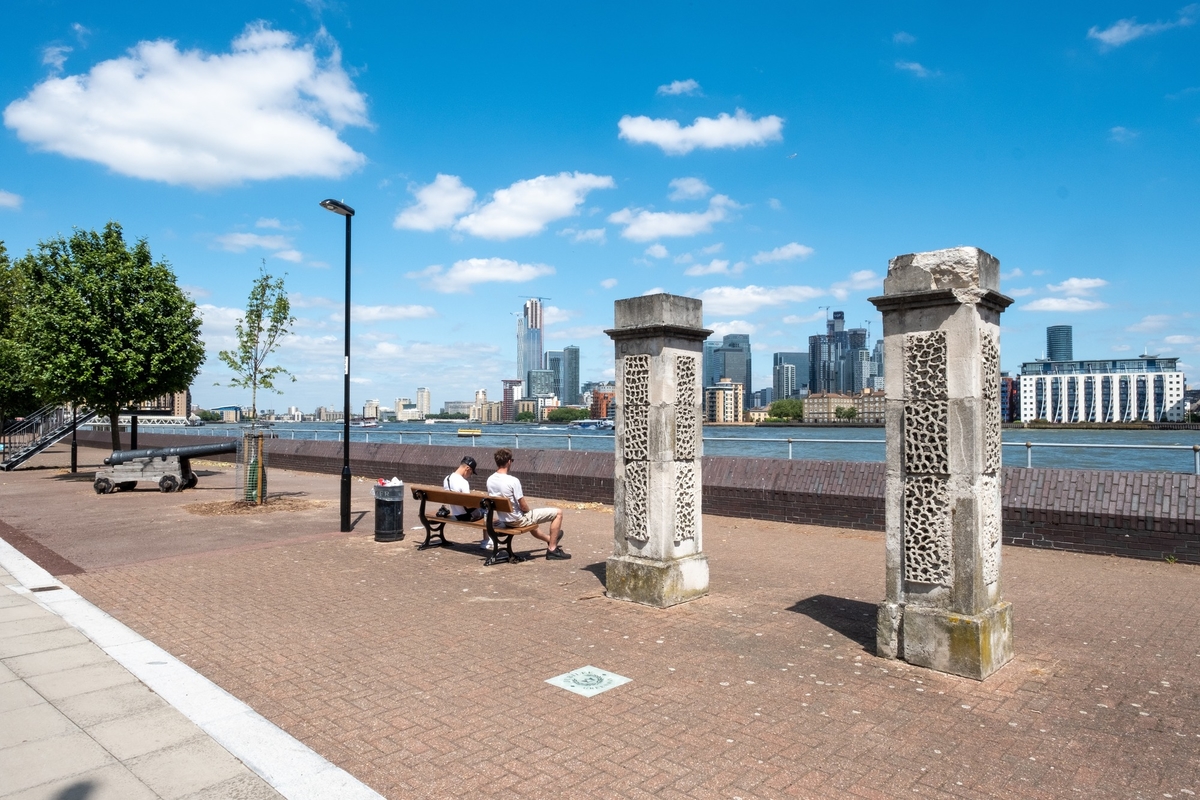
<point>473,515</point>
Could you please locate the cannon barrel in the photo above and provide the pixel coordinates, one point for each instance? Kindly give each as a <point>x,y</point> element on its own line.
<point>187,451</point>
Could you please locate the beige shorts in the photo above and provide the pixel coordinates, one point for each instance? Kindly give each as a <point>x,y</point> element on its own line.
<point>536,516</point>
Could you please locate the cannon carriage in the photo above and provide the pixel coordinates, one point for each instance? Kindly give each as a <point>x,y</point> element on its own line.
<point>169,467</point>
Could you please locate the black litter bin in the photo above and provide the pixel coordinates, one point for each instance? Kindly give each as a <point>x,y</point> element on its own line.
<point>389,513</point>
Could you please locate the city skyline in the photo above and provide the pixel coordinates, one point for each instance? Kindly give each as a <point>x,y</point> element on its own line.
<point>753,158</point>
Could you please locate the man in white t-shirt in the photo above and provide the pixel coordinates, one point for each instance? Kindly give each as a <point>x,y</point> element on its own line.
<point>502,484</point>
<point>457,482</point>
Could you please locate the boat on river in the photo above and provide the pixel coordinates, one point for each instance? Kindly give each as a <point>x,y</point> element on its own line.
<point>592,425</point>
<point>470,431</point>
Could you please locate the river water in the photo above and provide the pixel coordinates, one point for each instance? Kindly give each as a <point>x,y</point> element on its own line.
<point>825,444</point>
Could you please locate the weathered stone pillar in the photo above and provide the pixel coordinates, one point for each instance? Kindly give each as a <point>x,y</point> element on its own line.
<point>941,339</point>
<point>658,557</point>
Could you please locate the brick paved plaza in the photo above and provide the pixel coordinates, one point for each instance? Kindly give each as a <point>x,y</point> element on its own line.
<point>422,673</point>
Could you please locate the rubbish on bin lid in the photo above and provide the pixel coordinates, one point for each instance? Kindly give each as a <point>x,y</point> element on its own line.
<point>393,482</point>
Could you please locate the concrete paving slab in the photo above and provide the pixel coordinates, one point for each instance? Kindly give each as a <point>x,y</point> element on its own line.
<point>109,704</point>
<point>18,612</point>
<point>139,734</point>
<point>39,642</point>
<point>187,768</point>
<point>237,789</point>
<point>80,680</point>
<point>57,660</point>
<point>33,723</point>
<point>112,782</point>
<point>9,598</point>
<point>34,623</point>
<point>16,694</point>
<point>34,763</point>
<point>6,674</point>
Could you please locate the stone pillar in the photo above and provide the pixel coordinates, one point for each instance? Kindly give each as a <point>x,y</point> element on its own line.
<point>941,339</point>
<point>658,558</point>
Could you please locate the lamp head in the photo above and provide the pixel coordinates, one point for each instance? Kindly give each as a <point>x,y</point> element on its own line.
<point>337,207</point>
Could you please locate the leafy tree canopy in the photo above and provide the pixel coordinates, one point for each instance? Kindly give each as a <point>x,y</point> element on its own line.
<point>267,320</point>
<point>787,409</point>
<point>567,414</point>
<point>17,395</point>
<point>526,416</point>
<point>104,324</point>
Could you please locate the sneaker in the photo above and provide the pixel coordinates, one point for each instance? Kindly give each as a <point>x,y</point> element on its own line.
<point>558,554</point>
<point>486,544</point>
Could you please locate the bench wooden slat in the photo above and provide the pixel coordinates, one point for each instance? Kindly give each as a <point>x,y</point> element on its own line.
<point>435,527</point>
<point>437,494</point>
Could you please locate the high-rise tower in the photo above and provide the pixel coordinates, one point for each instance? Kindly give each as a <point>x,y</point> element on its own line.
<point>1059,346</point>
<point>529,334</point>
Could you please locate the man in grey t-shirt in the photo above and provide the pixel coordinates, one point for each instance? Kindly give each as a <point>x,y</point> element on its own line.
<point>502,484</point>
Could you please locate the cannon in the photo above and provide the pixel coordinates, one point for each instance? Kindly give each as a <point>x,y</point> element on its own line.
<point>169,467</point>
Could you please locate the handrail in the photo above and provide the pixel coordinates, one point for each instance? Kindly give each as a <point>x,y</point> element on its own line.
<point>790,441</point>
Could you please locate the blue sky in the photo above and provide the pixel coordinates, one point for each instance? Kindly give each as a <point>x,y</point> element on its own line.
<point>768,158</point>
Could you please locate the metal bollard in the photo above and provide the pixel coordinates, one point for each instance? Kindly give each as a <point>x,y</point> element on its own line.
<point>1196,456</point>
<point>517,437</point>
<point>431,438</point>
<point>789,449</point>
<point>1029,455</point>
<point>568,441</point>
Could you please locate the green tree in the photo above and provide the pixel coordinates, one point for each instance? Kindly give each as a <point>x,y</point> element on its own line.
<point>268,319</point>
<point>103,324</point>
<point>526,416</point>
<point>787,409</point>
<point>567,414</point>
<point>17,395</point>
<point>845,413</point>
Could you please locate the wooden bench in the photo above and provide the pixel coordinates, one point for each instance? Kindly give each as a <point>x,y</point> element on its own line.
<point>435,527</point>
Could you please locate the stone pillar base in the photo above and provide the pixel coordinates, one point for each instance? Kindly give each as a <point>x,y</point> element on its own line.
<point>973,646</point>
<point>657,583</point>
<point>888,643</point>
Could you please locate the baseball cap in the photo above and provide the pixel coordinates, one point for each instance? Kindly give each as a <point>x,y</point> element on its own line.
<point>470,462</point>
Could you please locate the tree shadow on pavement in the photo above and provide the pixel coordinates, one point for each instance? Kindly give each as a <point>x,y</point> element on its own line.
<point>853,619</point>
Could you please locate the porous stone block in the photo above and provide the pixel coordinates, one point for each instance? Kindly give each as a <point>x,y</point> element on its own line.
<point>657,583</point>
<point>659,309</point>
<point>970,645</point>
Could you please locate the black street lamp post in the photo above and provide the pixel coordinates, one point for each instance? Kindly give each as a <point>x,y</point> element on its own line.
<point>347,212</point>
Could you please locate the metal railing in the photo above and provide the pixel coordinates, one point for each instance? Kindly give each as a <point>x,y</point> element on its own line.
<point>398,437</point>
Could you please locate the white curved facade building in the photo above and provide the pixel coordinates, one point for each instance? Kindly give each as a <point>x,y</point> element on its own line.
<point>1144,389</point>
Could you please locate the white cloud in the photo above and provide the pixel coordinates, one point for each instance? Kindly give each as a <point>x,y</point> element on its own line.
<point>270,108</point>
<point>900,37</point>
<point>528,206</point>
<point>1181,339</point>
<point>1124,31</point>
<point>1064,304</point>
<point>268,222</point>
<point>1121,348</point>
<point>241,242</point>
<point>438,205</point>
<point>775,204</point>
<point>55,56</point>
<point>792,319</point>
<point>385,313</point>
<point>689,86</point>
<point>1020,292</point>
<point>858,281</point>
<point>705,133</point>
<point>1153,322</point>
<point>468,272</point>
<point>917,69</point>
<point>1078,287</point>
<point>552,315</point>
<point>716,267</point>
<point>1016,273</point>
<point>729,301</point>
<point>657,251</point>
<point>1122,135</point>
<point>644,226</point>
<point>295,256</point>
<point>721,329</point>
<point>684,258</point>
<point>785,253</point>
<point>10,200</point>
<point>688,189</point>
<point>194,291</point>
<point>596,235</point>
<point>608,283</point>
<point>713,248</point>
<point>655,290</point>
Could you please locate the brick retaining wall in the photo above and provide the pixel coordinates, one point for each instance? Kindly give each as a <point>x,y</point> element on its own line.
<point>1135,514</point>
